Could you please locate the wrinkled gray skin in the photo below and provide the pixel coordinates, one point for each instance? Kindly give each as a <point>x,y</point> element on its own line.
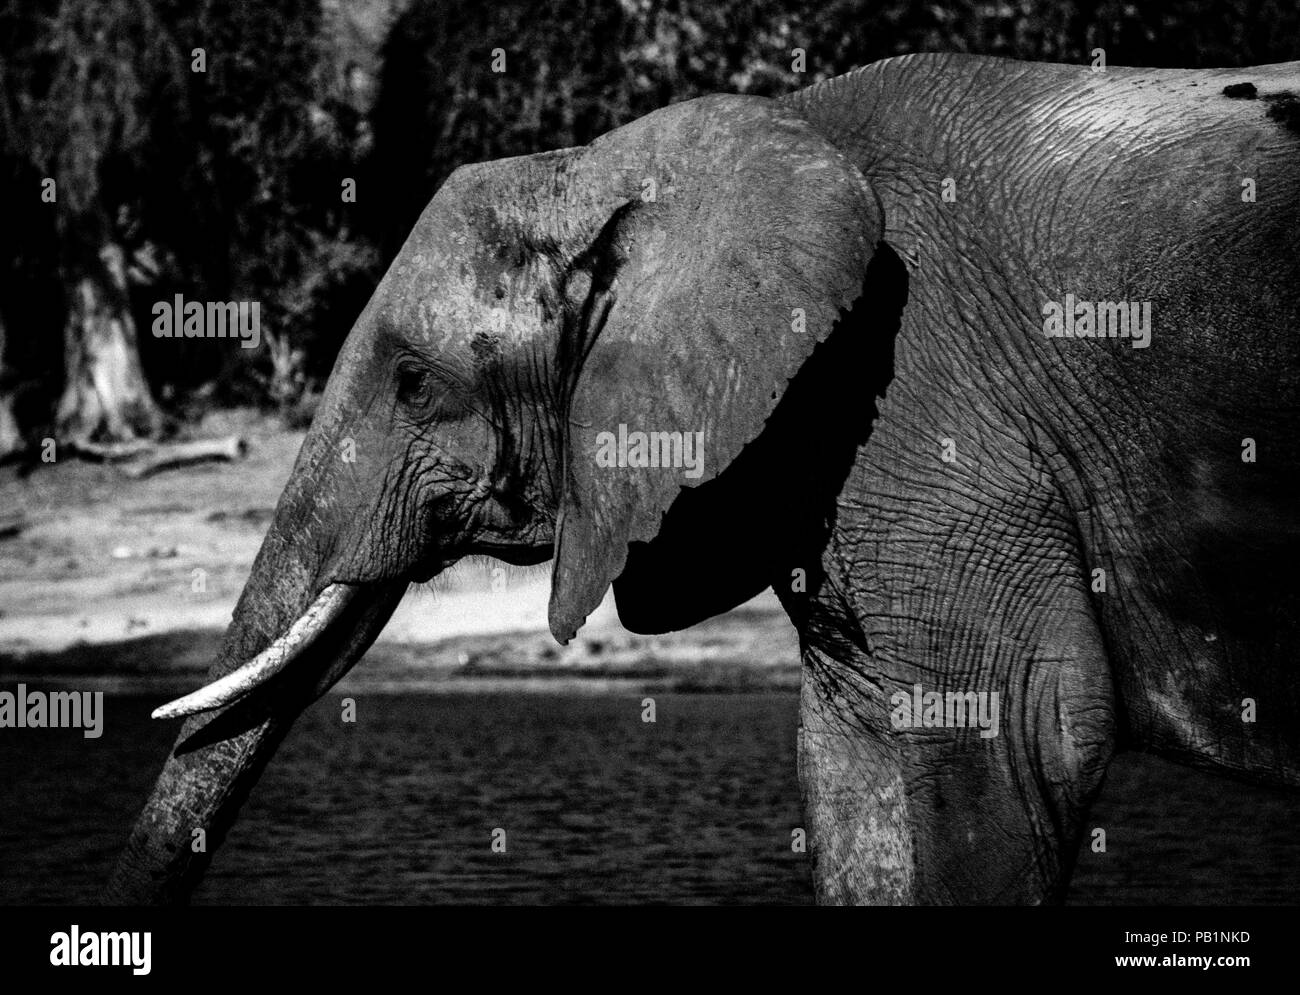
<point>541,300</point>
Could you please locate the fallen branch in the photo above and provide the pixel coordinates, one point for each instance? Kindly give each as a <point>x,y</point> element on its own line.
<point>110,452</point>
<point>186,454</point>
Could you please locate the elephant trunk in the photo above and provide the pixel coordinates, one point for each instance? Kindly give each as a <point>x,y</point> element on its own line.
<point>293,635</point>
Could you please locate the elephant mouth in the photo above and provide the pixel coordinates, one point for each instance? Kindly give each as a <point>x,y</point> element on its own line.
<point>515,555</point>
<point>512,553</point>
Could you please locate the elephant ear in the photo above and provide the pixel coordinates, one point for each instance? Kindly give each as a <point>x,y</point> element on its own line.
<point>722,238</point>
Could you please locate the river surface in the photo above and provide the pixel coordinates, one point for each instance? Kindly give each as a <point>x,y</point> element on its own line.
<point>596,805</point>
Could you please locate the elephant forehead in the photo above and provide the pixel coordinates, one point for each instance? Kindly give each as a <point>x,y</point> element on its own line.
<point>449,295</point>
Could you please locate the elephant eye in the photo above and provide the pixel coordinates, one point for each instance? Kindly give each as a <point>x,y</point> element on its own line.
<point>412,386</point>
<point>432,393</point>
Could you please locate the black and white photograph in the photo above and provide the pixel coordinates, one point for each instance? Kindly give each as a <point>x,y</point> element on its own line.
<point>650,452</point>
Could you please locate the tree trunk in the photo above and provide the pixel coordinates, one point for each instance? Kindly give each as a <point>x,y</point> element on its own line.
<point>11,440</point>
<point>105,397</point>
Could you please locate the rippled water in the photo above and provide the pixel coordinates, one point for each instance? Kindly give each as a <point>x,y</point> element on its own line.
<point>597,806</point>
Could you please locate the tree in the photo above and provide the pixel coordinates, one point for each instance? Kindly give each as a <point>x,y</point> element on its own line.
<point>75,96</point>
<point>180,147</point>
<point>105,396</point>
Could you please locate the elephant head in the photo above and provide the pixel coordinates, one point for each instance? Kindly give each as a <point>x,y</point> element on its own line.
<point>671,277</point>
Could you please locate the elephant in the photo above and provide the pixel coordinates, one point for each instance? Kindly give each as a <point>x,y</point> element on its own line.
<point>989,369</point>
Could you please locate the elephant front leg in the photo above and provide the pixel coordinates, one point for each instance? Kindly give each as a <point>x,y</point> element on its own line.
<point>918,793</point>
<point>855,799</point>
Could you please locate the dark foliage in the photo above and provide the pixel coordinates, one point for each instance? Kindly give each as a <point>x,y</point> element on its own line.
<point>226,184</point>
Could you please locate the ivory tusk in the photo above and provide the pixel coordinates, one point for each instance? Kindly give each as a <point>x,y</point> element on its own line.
<point>328,605</point>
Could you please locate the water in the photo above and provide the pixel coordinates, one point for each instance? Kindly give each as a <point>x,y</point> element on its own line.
<point>597,806</point>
